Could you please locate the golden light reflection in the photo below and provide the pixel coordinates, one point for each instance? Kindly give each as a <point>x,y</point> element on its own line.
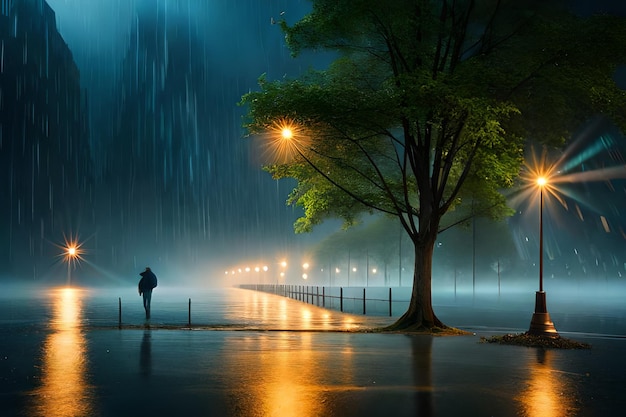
<point>307,318</point>
<point>64,389</point>
<point>287,379</point>
<point>349,324</point>
<point>548,393</point>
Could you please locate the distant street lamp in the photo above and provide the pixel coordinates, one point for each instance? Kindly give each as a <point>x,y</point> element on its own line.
<point>541,324</point>
<point>283,266</point>
<point>305,268</point>
<point>72,255</point>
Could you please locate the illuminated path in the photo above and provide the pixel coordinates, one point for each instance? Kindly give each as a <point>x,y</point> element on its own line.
<point>65,357</point>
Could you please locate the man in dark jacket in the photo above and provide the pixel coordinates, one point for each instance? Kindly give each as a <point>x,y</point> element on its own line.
<point>147,283</point>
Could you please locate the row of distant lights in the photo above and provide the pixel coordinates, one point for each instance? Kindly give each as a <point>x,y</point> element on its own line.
<point>283,264</point>
<point>247,269</point>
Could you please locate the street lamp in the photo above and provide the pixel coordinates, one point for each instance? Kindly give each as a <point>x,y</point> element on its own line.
<point>305,268</point>
<point>287,138</point>
<point>72,254</point>
<point>541,324</point>
<point>281,275</point>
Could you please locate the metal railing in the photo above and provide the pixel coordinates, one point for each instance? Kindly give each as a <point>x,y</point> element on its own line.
<point>347,300</point>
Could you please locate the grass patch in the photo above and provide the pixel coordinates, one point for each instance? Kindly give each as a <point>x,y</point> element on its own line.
<point>545,342</point>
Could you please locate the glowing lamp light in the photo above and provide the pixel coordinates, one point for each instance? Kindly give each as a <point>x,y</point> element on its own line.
<point>541,323</point>
<point>287,133</point>
<point>285,140</point>
<point>72,252</point>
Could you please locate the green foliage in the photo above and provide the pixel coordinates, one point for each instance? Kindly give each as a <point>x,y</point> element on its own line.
<point>428,107</point>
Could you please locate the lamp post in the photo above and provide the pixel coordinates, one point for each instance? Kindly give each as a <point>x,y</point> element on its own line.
<point>541,324</point>
<point>71,258</point>
<point>72,255</point>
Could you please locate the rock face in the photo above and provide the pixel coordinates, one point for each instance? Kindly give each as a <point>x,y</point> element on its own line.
<point>44,143</point>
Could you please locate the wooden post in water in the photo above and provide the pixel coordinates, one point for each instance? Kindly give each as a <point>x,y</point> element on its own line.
<point>341,299</point>
<point>363,301</point>
<point>189,314</point>
<point>389,301</point>
<point>119,313</point>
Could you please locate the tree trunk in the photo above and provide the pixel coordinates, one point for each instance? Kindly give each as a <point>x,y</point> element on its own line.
<point>420,314</point>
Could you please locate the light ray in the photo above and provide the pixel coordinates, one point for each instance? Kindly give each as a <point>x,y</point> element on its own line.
<point>585,146</point>
<point>556,177</point>
<point>284,141</point>
<point>602,174</point>
<point>72,251</point>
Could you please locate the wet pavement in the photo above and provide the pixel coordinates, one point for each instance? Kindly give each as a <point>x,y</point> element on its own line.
<point>257,354</point>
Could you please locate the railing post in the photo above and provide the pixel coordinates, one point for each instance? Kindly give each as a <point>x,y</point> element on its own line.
<point>341,299</point>
<point>317,290</point>
<point>389,301</point>
<point>119,316</point>
<point>363,301</point>
<point>323,297</point>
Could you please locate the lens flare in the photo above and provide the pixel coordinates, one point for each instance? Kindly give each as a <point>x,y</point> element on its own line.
<point>284,141</point>
<point>287,133</point>
<point>72,251</point>
<point>538,174</point>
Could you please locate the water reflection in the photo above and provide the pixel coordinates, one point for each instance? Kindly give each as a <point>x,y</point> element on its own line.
<point>278,374</point>
<point>145,354</point>
<point>257,309</point>
<point>64,389</point>
<point>422,374</point>
<point>548,393</point>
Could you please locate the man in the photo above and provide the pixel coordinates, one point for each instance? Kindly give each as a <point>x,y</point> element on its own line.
<point>147,283</point>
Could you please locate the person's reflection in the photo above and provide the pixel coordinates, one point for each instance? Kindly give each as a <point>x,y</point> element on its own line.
<point>422,372</point>
<point>547,393</point>
<point>64,389</point>
<point>145,354</point>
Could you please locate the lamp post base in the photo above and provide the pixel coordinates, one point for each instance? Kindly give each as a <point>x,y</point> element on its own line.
<point>541,324</point>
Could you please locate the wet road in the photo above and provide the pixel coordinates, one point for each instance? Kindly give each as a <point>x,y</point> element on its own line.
<point>272,356</point>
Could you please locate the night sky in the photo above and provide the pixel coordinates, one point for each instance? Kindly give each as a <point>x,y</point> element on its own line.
<point>171,180</point>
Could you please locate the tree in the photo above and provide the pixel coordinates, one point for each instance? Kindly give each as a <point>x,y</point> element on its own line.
<point>427,108</point>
